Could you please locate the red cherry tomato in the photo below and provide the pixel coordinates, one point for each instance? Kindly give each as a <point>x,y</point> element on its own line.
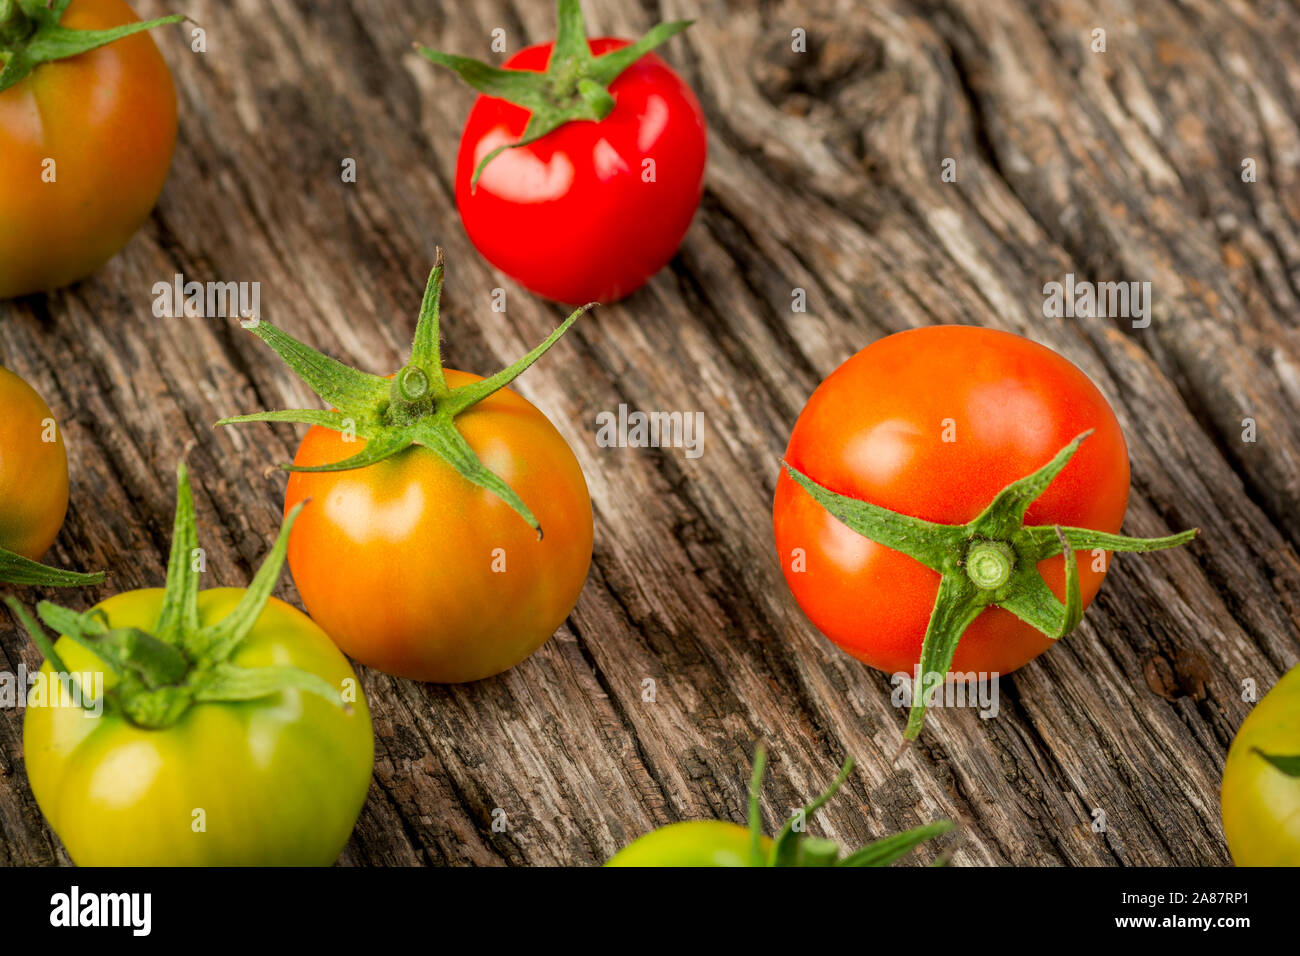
<point>933,423</point>
<point>589,212</point>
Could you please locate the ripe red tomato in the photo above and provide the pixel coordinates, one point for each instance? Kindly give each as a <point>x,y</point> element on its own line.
<point>177,727</point>
<point>572,216</point>
<point>107,121</point>
<point>933,423</point>
<point>415,571</point>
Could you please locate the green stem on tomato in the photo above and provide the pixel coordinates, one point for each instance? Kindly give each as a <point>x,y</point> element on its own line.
<point>793,846</point>
<point>575,85</point>
<point>413,407</point>
<point>31,34</point>
<point>15,569</point>
<point>991,561</point>
<point>161,672</point>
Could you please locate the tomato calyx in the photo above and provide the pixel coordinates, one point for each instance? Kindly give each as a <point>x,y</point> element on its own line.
<point>991,561</point>
<point>160,674</point>
<point>30,35</point>
<point>414,407</point>
<point>15,569</point>
<point>793,846</point>
<point>574,87</point>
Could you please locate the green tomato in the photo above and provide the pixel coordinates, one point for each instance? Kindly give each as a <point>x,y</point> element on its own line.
<point>719,843</point>
<point>694,843</point>
<point>277,780</point>
<point>1260,800</point>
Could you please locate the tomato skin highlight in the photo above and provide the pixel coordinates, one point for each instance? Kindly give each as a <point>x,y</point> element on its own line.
<point>33,472</point>
<point>1260,803</point>
<point>569,216</point>
<point>874,430</point>
<point>396,560</point>
<point>695,843</point>
<point>279,781</point>
<point>108,120</point>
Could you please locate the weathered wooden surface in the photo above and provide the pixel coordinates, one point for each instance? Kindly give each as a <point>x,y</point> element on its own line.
<point>824,175</point>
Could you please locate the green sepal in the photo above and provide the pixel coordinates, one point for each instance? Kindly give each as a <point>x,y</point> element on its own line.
<point>218,641</point>
<point>413,407</point>
<point>227,682</point>
<point>1073,603</point>
<point>380,445</point>
<point>37,633</point>
<point>1048,543</point>
<point>179,615</point>
<point>15,569</point>
<point>1035,604</point>
<point>162,672</point>
<point>956,605</point>
<point>786,850</point>
<point>990,561</point>
<point>332,420</point>
<point>129,653</point>
<point>45,645</point>
<point>443,438</point>
<point>608,67</point>
<point>333,382</point>
<point>30,35</point>
<point>1005,514</point>
<point>793,848</point>
<point>466,396</point>
<point>815,851</point>
<point>931,544</point>
<point>1288,764</point>
<point>574,87</point>
<point>885,851</point>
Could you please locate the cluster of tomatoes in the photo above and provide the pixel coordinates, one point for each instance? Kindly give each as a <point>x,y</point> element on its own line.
<point>933,495</point>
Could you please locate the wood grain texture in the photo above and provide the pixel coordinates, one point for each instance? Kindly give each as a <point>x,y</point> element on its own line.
<point>824,175</point>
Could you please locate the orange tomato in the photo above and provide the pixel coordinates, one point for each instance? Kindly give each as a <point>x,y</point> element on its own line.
<point>33,471</point>
<point>101,128</point>
<point>414,570</point>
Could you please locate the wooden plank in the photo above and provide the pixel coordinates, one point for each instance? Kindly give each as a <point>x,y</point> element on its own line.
<point>824,175</point>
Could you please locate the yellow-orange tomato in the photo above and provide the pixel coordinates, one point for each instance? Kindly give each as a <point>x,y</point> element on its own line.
<point>414,570</point>
<point>85,145</point>
<point>33,471</point>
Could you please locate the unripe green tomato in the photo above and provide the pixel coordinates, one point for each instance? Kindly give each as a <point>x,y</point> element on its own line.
<point>694,843</point>
<point>1261,802</point>
<point>276,781</point>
